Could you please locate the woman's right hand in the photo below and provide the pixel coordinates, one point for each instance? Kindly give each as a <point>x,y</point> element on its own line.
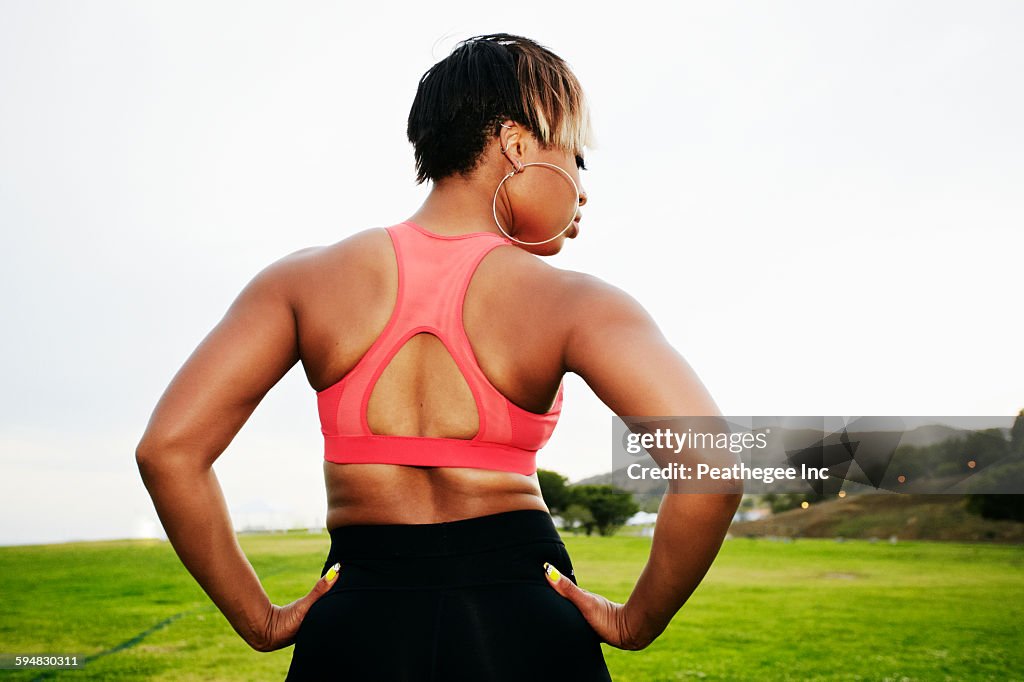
<point>608,619</point>
<point>283,622</point>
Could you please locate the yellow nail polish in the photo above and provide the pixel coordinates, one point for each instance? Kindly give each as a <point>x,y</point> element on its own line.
<point>331,572</point>
<point>552,572</point>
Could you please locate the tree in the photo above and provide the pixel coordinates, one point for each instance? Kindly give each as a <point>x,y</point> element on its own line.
<point>1017,435</point>
<point>577,516</point>
<point>609,506</point>
<point>985,446</point>
<point>1008,475</point>
<point>997,506</point>
<point>553,489</point>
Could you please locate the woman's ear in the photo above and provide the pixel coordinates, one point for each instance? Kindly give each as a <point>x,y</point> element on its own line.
<point>512,144</point>
<point>509,138</point>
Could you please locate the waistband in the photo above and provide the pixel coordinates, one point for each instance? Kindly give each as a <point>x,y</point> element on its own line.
<point>448,538</point>
<point>496,549</point>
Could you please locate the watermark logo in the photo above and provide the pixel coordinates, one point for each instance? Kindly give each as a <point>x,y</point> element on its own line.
<point>701,454</point>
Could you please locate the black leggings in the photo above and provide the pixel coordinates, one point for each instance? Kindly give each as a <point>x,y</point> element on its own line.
<point>460,600</point>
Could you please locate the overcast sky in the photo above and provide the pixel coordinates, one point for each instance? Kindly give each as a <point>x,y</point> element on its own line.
<point>819,202</point>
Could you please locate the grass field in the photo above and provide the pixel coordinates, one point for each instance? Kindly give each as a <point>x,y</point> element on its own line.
<point>802,610</point>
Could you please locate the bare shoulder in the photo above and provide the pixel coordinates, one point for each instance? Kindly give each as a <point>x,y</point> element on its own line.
<point>618,349</point>
<point>585,311</point>
<point>603,323</point>
<point>303,267</point>
<point>574,289</point>
<point>593,297</point>
<point>589,304</point>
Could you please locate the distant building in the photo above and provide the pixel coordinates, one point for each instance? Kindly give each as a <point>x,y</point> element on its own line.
<point>751,514</point>
<point>642,518</point>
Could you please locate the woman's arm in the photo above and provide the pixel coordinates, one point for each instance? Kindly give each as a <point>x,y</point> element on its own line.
<point>617,348</point>
<point>205,405</point>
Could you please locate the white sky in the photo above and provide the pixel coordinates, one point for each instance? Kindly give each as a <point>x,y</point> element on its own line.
<point>820,202</point>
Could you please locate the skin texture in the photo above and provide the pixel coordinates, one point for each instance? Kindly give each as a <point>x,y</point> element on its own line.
<point>324,306</point>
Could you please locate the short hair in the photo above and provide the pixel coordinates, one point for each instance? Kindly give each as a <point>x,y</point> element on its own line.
<point>462,100</point>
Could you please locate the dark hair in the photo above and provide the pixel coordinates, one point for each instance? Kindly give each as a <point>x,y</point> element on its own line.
<point>462,100</point>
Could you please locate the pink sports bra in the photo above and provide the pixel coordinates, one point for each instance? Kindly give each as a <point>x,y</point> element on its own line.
<point>433,274</point>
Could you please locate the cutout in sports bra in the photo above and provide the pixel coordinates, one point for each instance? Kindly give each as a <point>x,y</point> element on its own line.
<point>434,272</point>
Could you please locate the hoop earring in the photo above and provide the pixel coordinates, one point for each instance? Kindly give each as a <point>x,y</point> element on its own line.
<point>494,202</point>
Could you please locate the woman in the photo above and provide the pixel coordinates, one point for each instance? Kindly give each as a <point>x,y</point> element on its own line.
<point>438,358</point>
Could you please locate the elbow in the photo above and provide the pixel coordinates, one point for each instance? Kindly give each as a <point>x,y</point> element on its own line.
<point>736,490</point>
<point>148,452</point>
<point>154,454</point>
<point>733,496</point>
<point>144,455</point>
<point>730,497</point>
<point>730,492</point>
<point>147,460</point>
<point>733,501</point>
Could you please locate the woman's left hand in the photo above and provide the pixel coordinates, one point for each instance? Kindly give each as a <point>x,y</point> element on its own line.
<point>607,618</point>
<point>283,622</point>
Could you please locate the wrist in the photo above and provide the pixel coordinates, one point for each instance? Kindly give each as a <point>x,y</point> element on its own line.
<point>639,628</point>
<point>256,629</point>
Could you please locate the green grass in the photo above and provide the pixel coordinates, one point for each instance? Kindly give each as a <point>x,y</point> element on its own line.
<point>803,610</point>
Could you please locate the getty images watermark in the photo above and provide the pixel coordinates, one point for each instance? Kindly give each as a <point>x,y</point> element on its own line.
<point>951,455</point>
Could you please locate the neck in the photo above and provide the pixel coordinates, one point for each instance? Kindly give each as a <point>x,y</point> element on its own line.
<point>459,206</point>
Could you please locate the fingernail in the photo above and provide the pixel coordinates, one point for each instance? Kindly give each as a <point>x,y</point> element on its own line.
<point>332,572</point>
<point>553,575</point>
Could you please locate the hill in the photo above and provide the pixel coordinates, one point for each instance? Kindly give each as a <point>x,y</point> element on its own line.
<point>908,517</point>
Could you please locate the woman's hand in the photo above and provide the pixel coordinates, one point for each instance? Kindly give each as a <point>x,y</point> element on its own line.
<point>282,624</point>
<point>608,619</point>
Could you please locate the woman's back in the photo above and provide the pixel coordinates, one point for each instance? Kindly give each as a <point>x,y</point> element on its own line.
<point>447,551</point>
<point>410,385</point>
